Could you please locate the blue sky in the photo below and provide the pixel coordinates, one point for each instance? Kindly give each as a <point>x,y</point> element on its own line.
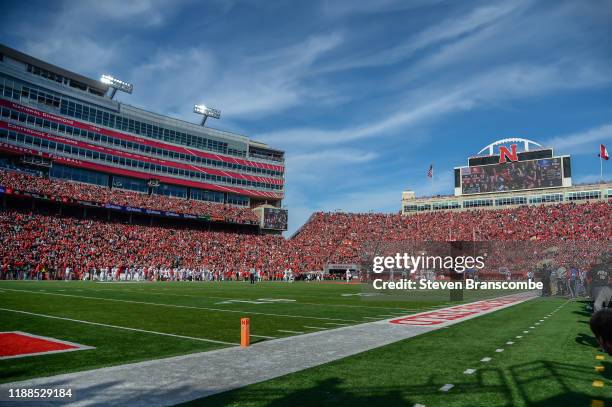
<point>362,96</point>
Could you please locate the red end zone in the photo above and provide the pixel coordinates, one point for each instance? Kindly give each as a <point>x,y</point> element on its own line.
<point>459,312</point>
<point>20,344</point>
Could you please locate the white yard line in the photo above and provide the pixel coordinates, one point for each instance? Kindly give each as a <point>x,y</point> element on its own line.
<point>263,336</point>
<point>183,306</point>
<point>119,327</point>
<point>290,332</point>
<point>205,296</point>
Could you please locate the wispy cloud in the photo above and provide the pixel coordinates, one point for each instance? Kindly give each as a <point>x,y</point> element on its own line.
<point>434,102</point>
<point>244,86</point>
<point>146,12</point>
<point>78,50</point>
<point>342,8</point>
<point>583,142</point>
<point>313,136</point>
<point>90,36</point>
<point>444,31</point>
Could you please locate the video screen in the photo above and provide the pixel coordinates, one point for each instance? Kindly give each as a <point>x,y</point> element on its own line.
<point>512,176</point>
<point>275,218</point>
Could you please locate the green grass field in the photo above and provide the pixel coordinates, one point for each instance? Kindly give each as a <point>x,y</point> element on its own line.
<point>552,365</point>
<point>208,311</point>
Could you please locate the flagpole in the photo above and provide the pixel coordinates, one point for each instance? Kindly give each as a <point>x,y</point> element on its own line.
<point>432,181</point>
<point>600,169</point>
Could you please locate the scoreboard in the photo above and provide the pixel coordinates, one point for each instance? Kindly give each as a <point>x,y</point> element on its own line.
<point>511,170</point>
<point>512,176</point>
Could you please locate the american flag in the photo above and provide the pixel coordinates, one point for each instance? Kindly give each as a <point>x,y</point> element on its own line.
<point>430,171</point>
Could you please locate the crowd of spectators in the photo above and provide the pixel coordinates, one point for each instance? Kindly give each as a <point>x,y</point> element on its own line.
<point>103,195</point>
<point>571,234</point>
<point>33,242</point>
<point>344,238</point>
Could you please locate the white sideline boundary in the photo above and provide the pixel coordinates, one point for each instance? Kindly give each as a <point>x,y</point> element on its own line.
<point>180,379</point>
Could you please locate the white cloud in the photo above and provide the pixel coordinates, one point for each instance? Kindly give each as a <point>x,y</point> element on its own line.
<point>321,168</point>
<point>146,12</point>
<point>496,85</point>
<point>342,8</point>
<point>306,161</point>
<point>389,123</point>
<point>79,54</point>
<point>447,30</point>
<point>142,13</point>
<point>584,142</point>
<point>172,81</point>
<point>242,86</point>
<point>518,35</point>
<point>76,36</point>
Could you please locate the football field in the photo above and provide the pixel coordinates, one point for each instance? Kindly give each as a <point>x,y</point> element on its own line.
<point>533,353</point>
<point>128,322</point>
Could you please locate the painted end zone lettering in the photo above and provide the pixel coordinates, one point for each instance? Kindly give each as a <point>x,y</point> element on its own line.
<point>458,312</point>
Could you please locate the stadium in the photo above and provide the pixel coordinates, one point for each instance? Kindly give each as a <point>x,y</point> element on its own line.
<point>143,263</point>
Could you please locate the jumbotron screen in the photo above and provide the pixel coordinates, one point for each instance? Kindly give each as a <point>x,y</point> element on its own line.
<point>275,218</point>
<point>512,176</point>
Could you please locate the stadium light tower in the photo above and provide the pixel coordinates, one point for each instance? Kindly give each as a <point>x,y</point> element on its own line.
<point>206,112</point>
<point>117,84</point>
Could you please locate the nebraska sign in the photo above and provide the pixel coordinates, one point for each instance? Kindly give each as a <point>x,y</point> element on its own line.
<point>507,155</point>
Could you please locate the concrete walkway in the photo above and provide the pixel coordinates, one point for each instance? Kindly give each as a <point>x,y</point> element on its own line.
<point>180,379</point>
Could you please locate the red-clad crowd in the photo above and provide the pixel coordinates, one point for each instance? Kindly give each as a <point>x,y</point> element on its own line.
<point>344,238</point>
<point>99,194</point>
<point>32,242</point>
<point>36,242</point>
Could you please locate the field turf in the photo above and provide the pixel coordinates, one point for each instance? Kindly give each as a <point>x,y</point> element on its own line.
<point>204,314</point>
<point>553,364</point>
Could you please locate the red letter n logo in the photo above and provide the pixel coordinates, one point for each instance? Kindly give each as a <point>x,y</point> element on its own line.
<point>504,154</point>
